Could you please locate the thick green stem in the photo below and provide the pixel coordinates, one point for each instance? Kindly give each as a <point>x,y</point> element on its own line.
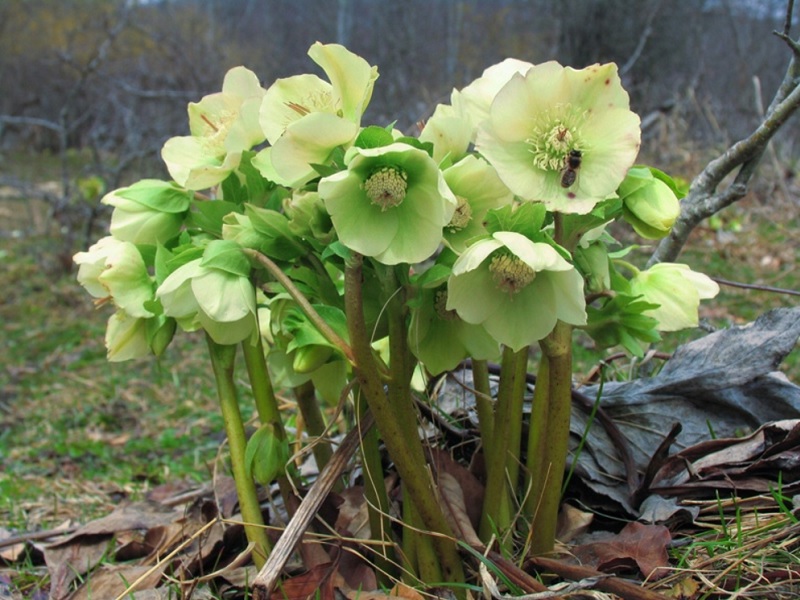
<point>427,563</point>
<point>497,511</point>
<point>222,361</point>
<point>380,524</point>
<point>557,348</point>
<point>483,400</point>
<point>407,454</point>
<point>306,397</point>
<point>537,471</point>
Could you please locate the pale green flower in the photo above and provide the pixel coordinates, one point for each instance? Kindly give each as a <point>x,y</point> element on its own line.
<point>440,339</point>
<point>449,132</point>
<point>648,204</point>
<point>126,337</point>
<point>517,289</point>
<point>474,101</point>
<point>539,120</point>
<point>148,212</point>
<point>452,127</point>
<point>222,126</point>
<point>305,118</point>
<point>221,302</point>
<point>477,189</point>
<point>113,270</point>
<point>391,203</point>
<point>677,289</point>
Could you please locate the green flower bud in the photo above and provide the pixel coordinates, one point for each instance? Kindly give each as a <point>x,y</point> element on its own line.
<point>310,358</point>
<point>648,204</point>
<point>267,453</point>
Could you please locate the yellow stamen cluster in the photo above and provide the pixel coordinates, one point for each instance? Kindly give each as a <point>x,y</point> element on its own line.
<point>510,273</point>
<point>552,139</point>
<point>461,217</point>
<point>440,306</point>
<point>386,187</point>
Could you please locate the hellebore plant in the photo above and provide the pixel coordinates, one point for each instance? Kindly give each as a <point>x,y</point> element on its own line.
<point>344,258</point>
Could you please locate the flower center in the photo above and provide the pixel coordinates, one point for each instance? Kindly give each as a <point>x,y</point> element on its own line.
<point>552,140</point>
<point>440,306</point>
<point>386,187</point>
<point>462,215</point>
<point>510,273</point>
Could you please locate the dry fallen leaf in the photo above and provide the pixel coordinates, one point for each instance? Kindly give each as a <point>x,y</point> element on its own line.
<point>636,546</point>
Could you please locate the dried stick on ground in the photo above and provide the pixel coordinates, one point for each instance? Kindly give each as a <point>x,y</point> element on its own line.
<point>704,198</point>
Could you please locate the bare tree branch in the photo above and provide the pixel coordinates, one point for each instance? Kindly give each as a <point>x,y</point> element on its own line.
<point>703,199</point>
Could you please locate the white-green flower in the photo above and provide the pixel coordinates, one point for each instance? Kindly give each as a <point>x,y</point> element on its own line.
<point>391,203</point>
<point>516,289</point>
<point>126,337</point>
<point>305,118</point>
<point>452,127</point>
<point>449,132</point>
<point>677,289</point>
<point>113,270</point>
<point>221,302</point>
<point>474,101</point>
<point>222,126</point>
<point>148,212</point>
<point>440,339</point>
<point>477,189</point>
<point>537,121</point>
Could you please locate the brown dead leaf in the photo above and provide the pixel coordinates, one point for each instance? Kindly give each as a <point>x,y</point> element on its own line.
<point>471,487</point>
<point>572,522</point>
<point>353,518</point>
<point>685,589</point>
<point>65,562</point>
<point>455,510</point>
<point>401,590</point>
<point>315,583</point>
<point>110,581</point>
<point>136,515</point>
<point>637,545</point>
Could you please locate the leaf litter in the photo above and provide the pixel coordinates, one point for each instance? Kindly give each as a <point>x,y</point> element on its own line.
<point>702,478</point>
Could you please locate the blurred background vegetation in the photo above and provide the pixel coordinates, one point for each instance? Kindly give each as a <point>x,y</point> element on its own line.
<point>91,89</point>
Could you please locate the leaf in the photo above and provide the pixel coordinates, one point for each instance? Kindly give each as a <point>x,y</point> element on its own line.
<point>644,546</point>
<point>226,256</point>
<point>373,137</point>
<point>526,219</point>
<point>208,215</point>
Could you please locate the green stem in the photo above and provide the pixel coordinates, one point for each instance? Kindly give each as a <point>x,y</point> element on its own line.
<point>266,402</point>
<point>537,471</point>
<point>380,524</point>
<point>427,565</point>
<point>497,511</point>
<point>407,454</point>
<point>483,400</point>
<point>306,397</point>
<point>222,361</point>
<point>261,383</point>
<point>557,348</point>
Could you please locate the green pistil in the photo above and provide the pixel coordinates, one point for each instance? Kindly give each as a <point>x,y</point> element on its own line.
<point>461,217</point>
<point>386,187</point>
<point>510,273</point>
<point>440,306</point>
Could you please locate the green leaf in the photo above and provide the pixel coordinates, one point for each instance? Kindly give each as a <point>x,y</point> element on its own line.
<point>419,145</point>
<point>159,195</point>
<point>373,137</point>
<point>526,219</point>
<point>208,215</point>
<point>227,256</point>
<point>279,242</point>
